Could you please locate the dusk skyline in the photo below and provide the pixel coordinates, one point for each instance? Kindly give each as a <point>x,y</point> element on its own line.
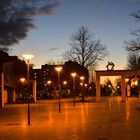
<point>108,20</point>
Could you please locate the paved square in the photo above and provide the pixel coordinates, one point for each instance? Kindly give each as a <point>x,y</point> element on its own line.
<point>109,119</point>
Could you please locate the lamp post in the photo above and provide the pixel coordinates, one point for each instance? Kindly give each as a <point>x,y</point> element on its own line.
<point>127,87</point>
<point>22,80</point>
<point>49,88</point>
<point>82,78</point>
<point>49,83</point>
<point>65,87</point>
<point>59,69</point>
<point>73,77</point>
<point>28,58</point>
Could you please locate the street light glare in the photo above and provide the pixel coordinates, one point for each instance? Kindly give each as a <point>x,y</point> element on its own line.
<point>82,78</point>
<point>126,79</point>
<point>64,82</point>
<point>58,69</point>
<point>22,80</point>
<point>73,74</point>
<point>28,56</point>
<point>49,82</point>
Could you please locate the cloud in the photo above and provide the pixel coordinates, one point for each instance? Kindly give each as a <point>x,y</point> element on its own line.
<point>35,7</point>
<point>53,49</point>
<point>16,18</point>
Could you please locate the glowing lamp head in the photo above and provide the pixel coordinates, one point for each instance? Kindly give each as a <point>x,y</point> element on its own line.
<point>22,80</point>
<point>58,69</point>
<point>126,79</point>
<point>64,82</point>
<point>82,78</point>
<point>73,74</point>
<point>28,57</point>
<point>49,82</point>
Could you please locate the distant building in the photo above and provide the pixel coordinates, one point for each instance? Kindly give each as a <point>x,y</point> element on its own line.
<point>37,74</point>
<point>48,73</point>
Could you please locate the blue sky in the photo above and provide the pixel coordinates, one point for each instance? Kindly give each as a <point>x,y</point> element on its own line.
<point>107,20</point>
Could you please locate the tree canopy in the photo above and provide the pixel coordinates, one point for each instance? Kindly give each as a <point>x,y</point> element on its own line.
<point>133,61</point>
<point>84,50</point>
<point>16,18</point>
<point>134,44</point>
<point>133,47</point>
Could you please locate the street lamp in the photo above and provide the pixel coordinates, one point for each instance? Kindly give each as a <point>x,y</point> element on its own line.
<point>82,78</point>
<point>49,88</point>
<point>22,80</point>
<point>65,87</point>
<point>127,87</point>
<point>86,85</point>
<point>59,69</point>
<point>28,58</point>
<point>64,82</point>
<point>73,77</point>
<point>49,82</point>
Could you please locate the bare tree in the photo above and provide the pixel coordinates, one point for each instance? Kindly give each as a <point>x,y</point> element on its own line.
<point>133,47</point>
<point>136,15</point>
<point>133,61</point>
<point>84,50</point>
<point>16,19</point>
<point>51,62</point>
<point>118,83</point>
<point>108,82</point>
<point>134,44</point>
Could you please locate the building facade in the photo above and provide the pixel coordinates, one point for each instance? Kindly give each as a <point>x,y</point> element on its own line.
<point>13,69</point>
<point>47,76</point>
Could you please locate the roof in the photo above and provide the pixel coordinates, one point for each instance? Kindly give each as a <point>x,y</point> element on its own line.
<point>117,72</point>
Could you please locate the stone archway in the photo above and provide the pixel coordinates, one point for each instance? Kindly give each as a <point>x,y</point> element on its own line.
<point>122,73</point>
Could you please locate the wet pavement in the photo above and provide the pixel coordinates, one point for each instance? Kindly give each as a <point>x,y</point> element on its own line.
<point>109,119</point>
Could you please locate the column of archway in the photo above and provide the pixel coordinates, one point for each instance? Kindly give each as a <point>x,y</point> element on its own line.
<point>98,94</point>
<point>34,90</point>
<point>2,89</point>
<point>123,89</point>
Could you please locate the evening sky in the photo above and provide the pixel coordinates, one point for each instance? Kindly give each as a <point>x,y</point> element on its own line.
<point>107,20</point>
